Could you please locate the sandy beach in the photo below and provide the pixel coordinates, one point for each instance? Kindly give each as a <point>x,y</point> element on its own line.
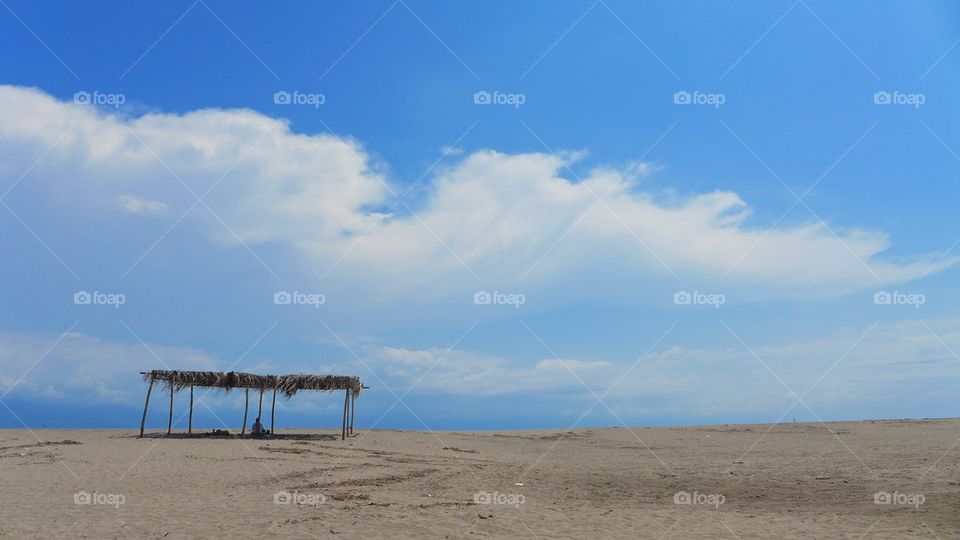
<point>880,479</point>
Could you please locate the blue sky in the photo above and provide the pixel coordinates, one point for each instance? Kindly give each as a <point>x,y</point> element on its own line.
<point>788,195</point>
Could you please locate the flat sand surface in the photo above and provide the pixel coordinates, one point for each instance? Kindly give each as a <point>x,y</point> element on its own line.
<point>729,481</point>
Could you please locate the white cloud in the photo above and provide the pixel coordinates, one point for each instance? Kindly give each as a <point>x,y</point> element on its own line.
<point>81,365</point>
<point>272,184</point>
<point>519,221</point>
<point>138,205</point>
<point>852,368</point>
<point>568,364</point>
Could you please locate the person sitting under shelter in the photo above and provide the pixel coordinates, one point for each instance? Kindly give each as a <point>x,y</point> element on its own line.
<point>257,429</point>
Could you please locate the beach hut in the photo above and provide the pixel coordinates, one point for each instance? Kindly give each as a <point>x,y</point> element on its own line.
<point>287,385</point>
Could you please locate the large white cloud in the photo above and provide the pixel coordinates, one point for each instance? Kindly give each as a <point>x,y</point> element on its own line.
<point>265,181</point>
<point>488,219</point>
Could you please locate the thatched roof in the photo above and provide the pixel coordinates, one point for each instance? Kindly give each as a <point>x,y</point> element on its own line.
<point>288,385</point>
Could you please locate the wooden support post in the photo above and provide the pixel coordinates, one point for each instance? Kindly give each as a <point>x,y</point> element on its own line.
<point>346,403</point>
<point>170,418</point>
<point>260,410</point>
<point>353,410</point>
<point>146,404</point>
<point>246,404</point>
<point>273,409</point>
<point>190,421</point>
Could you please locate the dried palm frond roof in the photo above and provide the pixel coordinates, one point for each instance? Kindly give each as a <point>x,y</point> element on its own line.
<point>288,385</point>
